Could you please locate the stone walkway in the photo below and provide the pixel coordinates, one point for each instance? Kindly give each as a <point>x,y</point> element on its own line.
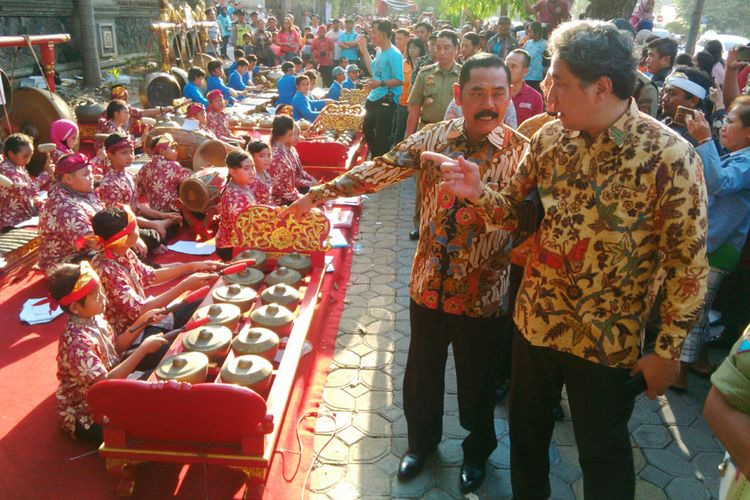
<point>676,455</point>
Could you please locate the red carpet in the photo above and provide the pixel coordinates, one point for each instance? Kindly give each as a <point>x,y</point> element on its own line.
<point>35,455</point>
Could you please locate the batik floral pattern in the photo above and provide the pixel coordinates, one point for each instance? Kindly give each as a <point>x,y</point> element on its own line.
<point>123,279</point>
<point>288,174</point>
<point>622,211</point>
<point>234,200</point>
<point>85,355</point>
<point>64,218</point>
<point>218,123</point>
<point>118,189</point>
<point>159,181</point>
<point>461,263</point>
<point>17,203</point>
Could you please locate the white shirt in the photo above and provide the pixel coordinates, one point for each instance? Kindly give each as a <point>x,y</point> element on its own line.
<point>334,35</point>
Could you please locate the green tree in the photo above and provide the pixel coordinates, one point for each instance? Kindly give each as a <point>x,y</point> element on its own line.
<point>723,16</point>
<point>610,9</point>
<point>479,8</point>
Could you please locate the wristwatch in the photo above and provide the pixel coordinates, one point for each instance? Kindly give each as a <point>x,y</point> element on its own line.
<point>382,83</point>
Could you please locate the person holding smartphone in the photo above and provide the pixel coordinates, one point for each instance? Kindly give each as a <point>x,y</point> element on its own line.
<point>684,92</point>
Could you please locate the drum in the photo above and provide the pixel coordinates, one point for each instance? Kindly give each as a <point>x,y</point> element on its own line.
<point>187,142</point>
<point>202,190</point>
<point>210,154</point>
<point>159,89</point>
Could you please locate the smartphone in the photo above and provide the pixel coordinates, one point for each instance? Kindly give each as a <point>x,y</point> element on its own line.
<point>635,385</point>
<point>743,54</point>
<point>681,114</point>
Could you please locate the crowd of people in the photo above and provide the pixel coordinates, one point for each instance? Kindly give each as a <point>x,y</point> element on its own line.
<point>578,184</point>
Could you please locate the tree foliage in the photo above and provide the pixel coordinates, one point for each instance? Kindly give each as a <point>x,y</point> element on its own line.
<point>481,9</point>
<point>723,16</point>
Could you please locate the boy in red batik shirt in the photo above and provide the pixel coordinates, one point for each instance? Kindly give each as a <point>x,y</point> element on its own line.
<point>216,120</point>
<point>65,220</point>
<point>125,278</point>
<point>159,180</point>
<point>237,196</point>
<point>118,188</point>
<point>87,351</point>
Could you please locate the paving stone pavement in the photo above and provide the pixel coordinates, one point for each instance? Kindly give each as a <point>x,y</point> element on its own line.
<point>676,454</point>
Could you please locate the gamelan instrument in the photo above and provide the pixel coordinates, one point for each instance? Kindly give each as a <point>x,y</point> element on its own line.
<point>195,150</point>
<point>159,89</point>
<point>32,111</point>
<point>19,250</point>
<point>202,191</point>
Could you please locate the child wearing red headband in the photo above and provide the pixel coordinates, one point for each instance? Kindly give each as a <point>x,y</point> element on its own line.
<point>125,278</point>
<point>118,188</point>
<point>195,120</point>
<point>217,120</point>
<point>159,180</point>
<point>88,351</point>
<point>65,218</point>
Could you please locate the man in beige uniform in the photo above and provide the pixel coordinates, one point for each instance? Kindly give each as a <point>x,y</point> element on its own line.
<point>430,95</point>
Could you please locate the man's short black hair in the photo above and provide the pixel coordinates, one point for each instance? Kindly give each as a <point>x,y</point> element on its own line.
<point>450,35</point>
<point>427,26</point>
<point>113,139</point>
<point>239,52</point>
<point>287,66</point>
<point>473,38</point>
<point>300,79</point>
<point>384,26</point>
<point>194,73</point>
<point>482,60</point>
<point>297,60</point>
<point>526,56</point>
<point>665,47</point>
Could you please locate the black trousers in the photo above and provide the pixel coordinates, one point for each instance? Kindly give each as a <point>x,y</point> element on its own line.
<point>181,316</point>
<point>475,347</point>
<point>326,73</point>
<point>600,408</point>
<point>378,124</point>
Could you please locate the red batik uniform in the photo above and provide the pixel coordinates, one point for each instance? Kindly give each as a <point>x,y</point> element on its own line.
<point>17,202</point>
<point>234,201</point>
<point>118,189</point>
<point>287,174</point>
<point>159,181</point>
<point>262,187</point>
<point>123,279</point>
<point>217,122</point>
<point>64,219</point>
<point>85,354</point>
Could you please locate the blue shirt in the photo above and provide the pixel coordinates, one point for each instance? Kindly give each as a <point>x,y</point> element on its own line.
<point>728,186</point>
<point>237,81</point>
<point>217,83</point>
<point>306,108</point>
<point>535,48</point>
<point>351,53</point>
<point>349,84</point>
<point>287,88</point>
<point>388,65</point>
<point>335,91</point>
<point>194,93</point>
<point>232,68</point>
<point>225,23</point>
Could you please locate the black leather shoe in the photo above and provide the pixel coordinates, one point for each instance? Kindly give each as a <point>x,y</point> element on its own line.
<point>414,234</point>
<point>411,465</point>
<point>471,478</point>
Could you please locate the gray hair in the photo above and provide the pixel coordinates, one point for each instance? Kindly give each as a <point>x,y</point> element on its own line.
<point>593,49</point>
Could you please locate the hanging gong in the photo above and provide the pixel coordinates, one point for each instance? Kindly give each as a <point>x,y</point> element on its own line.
<point>32,112</point>
<point>159,89</point>
<point>201,60</point>
<point>180,75</point>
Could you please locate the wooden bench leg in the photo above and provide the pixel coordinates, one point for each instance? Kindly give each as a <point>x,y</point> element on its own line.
<point>254,482</point>
<point>124,470</point>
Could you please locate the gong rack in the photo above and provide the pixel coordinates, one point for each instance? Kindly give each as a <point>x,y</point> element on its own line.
<point>213,422</point>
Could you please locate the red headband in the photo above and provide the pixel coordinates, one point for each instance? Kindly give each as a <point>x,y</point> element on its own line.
<point>124,143</point>
<point>214,94</point>
<point>71,163</point>
<point>85,284</point>
<point>114,240</point>
<point>195,109</point>
<point>163,142</point>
